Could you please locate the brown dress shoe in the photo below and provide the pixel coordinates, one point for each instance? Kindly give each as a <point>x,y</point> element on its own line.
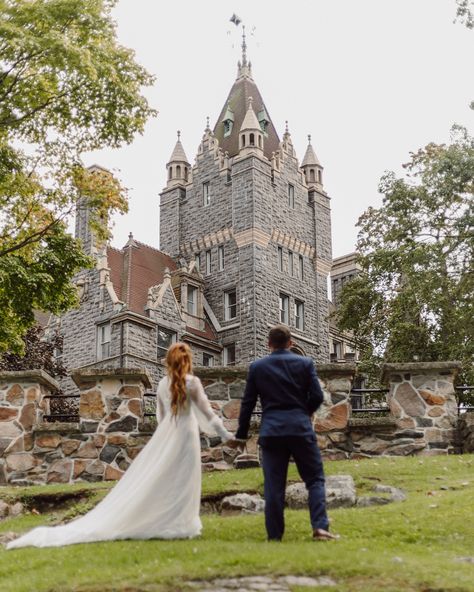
<point>319,534</point>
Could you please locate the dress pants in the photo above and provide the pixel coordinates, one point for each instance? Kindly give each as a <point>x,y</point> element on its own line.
<point>276,453</point>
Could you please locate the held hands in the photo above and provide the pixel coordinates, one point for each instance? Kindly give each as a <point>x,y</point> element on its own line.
<point>236,444</point>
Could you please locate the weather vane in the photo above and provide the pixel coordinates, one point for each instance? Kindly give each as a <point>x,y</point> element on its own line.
<point>236,20</point>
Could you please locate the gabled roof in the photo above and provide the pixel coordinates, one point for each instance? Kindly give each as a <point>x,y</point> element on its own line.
<point>243,88</point>
<point>134,269</point>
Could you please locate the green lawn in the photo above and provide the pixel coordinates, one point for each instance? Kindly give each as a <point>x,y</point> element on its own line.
<point>411,546</point>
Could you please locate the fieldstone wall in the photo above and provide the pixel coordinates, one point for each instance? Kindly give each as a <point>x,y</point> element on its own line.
<point>466,432</point>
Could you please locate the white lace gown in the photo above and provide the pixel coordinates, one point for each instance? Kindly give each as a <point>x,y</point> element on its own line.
<point>159,495</point>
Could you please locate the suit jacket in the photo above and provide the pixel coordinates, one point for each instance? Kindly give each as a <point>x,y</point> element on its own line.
<point>289,393</point>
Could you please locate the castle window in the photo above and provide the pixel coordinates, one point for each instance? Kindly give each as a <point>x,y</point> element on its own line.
<point>170,173</point>
<point>311,175</point>
<point>260,141</point>
<point>320,176</point>
<point>284,309</point>
<point>291,267</point>
<point>227,127</point>
<point>192,300</point>
<point>178,172</point>
<point>243,140</point>
<point>103,341</point>
<point>165,339</point>
<point>206,194</point>
<point>280,259</point>
<point>229,355</point>
<point>291,196</point>
<point>230,305</point>
<point>301,267</point>
<point>252,140</point>
<point>208,262</point>
<point>185,173</point>
<point>207,360</point>
<point>299,315</point>
<point>197,261</point>
<point>221,258</point>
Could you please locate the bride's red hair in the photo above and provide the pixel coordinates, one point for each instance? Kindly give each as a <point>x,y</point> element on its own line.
<point>179,362</point>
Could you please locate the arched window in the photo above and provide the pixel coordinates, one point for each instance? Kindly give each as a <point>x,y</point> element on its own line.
<point>170,173</point>
<point>311,175</point>
<point>178,172</point>
<point>252,140</point>
<point>185,173</point>
<point>320,176</point>
<point>259,141</point>
<point>243,140</point>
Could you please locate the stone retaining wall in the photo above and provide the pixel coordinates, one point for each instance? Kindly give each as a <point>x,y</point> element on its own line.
<point>111,430</point>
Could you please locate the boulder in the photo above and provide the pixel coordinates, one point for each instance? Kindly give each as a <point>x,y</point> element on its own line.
<point>60,471</point>
<point>432,398</point>
<point>91,405</point>
<point>340,491</point>
<point>410,400</point>
<point>17,509</point>
<point>396,494</point>
<point>242,503</point>
<point>335,419</point>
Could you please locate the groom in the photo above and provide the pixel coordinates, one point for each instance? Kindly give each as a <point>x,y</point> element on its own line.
<point>290,393</point>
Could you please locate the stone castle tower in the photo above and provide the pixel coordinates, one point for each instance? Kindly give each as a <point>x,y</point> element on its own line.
<point>256,224</point>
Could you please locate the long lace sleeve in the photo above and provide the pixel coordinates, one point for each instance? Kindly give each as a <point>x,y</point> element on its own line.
<point>208,421</point>
<point>160,406</point>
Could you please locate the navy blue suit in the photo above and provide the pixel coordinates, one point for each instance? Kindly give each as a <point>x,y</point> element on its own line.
<point>289,392</point>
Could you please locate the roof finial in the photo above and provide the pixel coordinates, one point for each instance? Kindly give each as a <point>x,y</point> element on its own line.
<point>207,124</point>
<point>287,131</point>
<point>179,135</point>
<point>244,47</point>
<point>309,138</point>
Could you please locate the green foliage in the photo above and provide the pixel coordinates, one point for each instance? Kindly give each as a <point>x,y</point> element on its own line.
<point>465,13</point>
<point>411,546</point>
<point>66,86</point>
<point>413,297</point>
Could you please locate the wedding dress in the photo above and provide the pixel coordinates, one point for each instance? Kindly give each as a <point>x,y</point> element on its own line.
<point>159,494</point>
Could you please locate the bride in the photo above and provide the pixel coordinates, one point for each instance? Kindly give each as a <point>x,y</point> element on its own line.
<point>159,495</point>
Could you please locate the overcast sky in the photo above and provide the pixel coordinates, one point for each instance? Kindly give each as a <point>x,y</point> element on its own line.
<point>370,80</point>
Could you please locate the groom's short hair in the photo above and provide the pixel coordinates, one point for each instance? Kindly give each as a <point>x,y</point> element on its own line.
<point>279,336</point>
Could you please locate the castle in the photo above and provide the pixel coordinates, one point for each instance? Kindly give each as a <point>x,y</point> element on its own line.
<point>245,243</point>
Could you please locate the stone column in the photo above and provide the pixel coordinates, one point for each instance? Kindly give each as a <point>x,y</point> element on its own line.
<point>331,419</point>
<point>22,405</point>
<point>422,401</point>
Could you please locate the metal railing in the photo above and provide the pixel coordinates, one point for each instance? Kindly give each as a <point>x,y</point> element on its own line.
<point>65,415</point>
<point>367,401</point>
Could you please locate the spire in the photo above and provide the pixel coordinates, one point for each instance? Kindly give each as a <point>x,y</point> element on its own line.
<point>244,67</point>
<point>250,121</point>
<point>310,158</point>
<point>178,154</point>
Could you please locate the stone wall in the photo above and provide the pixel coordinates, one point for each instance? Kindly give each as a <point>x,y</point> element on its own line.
<point>111,429</point>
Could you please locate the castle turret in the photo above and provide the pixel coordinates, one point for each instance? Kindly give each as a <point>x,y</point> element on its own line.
<point>178,165</point>
<point>250,135</point>
<point>313,171</point>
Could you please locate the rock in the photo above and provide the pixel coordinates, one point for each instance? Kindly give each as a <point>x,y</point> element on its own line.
<point>396,494</point>
<point>7,537</point>
<point>424,422</point>
<point>432,398</point>
<point>436,412</point>
<point>339,385</point>
<point>108,453</point>
<point>406,449</point>
<point>32,394</point>
<point>10,430</point>
<point>231,410</point>
<point>99,440</point>
<point>236,390</point>
<point>47,440</point>
<point>79,468</point>
<point>122,462</point>
<point>242,503</point>
<point>86,450</point>
<point>8,413</point>
<point>17,509</point>
<point>306,581</point>
<point>113,403</point>
<point>246,461</point>
<point>126,424</point>
<point>135,407</point>
<point>15,395</point>
<point>28,416</point>
<point>60,471</point>
<point>130,392</point>
<point>96,467</point>
<point>395,408</point>
<point>23,461</point>
<point>112,474</point>
<point>91,405</point>
<point>296,496</point>
<point>410,400</point>
<point>211,455</point>
<point>366,501</point>
<point>217,391</point>
<point>117,439</point>
<point>4,509</point>
<point>216,466</point>
<point>89,427</point>
<point>340,491</point>
<point>335,419</point>
<point>15,446</point>
<point>409,434</point>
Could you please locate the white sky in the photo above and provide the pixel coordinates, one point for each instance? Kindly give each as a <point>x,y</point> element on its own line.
<point>371,80</point>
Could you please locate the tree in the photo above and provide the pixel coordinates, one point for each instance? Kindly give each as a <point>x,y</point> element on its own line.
<point>465,13</point>
<point>414,296</point>
<point>66,86</point>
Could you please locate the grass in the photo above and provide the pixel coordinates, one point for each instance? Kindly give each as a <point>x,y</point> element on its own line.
<point>410,546</point>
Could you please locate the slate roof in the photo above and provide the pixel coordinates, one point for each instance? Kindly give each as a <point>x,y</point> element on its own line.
<point>243,88</point>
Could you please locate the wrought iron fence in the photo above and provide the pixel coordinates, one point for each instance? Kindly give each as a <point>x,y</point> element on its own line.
<point>62,408</point>
<point>369,402</point>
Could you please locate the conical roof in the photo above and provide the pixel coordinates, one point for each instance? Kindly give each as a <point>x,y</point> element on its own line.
<point>250,121</point>
<point>310,158</point>
<point>243,88</point>
<point>178,154</point>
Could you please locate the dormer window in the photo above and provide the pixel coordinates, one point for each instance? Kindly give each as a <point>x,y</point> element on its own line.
<point>263,121</point>
<point>228,124</point>
<point>192,300</point>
